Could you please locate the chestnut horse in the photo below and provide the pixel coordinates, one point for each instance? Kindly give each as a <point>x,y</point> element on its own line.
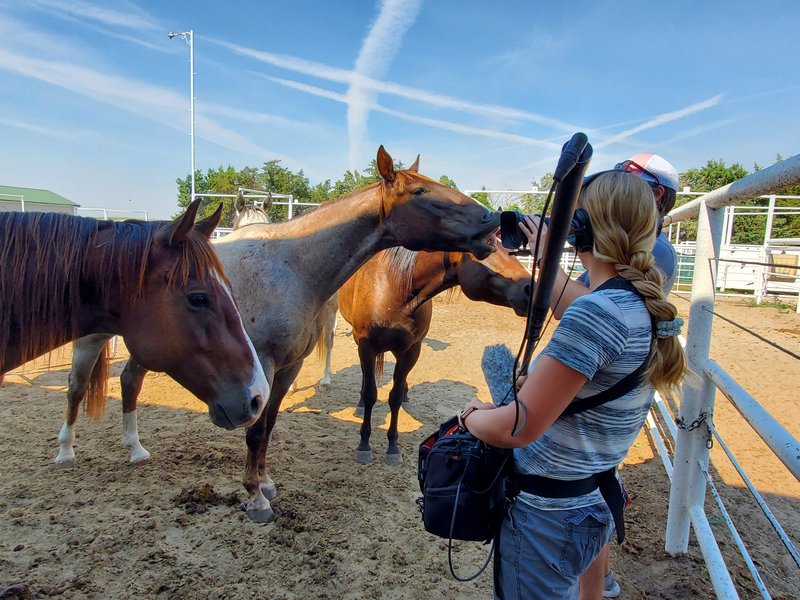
<point>388,303</point>
<point>88,375</point>
<point>158,284</point>
<point>283,274</point>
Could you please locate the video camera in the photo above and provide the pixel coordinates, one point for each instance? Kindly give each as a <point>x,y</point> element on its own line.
<point>511,235</point>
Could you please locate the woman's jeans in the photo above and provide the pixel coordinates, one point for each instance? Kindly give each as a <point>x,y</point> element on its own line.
<point>541,553</point>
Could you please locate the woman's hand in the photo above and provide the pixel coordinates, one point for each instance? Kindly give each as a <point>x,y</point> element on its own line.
<point>521,380</point>
<point>530,227</point>
<point>472,405</point>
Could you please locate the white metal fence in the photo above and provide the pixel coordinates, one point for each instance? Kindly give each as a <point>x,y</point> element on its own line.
<point>693,428</point>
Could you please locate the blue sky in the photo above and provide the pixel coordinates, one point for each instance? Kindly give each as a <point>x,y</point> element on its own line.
<point>95,97</point>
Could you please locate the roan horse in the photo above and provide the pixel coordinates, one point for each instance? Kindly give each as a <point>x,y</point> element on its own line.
<point>158,284</point>
<point>88,375</point>
<point>283,274</point>
<point>388,303</point>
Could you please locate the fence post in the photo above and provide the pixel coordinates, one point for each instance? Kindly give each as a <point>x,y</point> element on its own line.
<point>688,486</point>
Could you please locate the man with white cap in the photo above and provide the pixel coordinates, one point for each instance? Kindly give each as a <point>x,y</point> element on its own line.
<point>663,180</point>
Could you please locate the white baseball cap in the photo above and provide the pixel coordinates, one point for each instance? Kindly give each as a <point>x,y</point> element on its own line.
<point>652,168</point>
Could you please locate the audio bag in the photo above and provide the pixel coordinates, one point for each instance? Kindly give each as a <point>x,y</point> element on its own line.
<point>462,481</point>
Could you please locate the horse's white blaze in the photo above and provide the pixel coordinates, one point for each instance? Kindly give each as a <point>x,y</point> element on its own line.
<point>130,438</point>
<point>66,441</point>
<point>258,386</point>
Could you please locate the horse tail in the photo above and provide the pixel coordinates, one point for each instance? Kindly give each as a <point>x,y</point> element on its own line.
<point>379,367</point>
<point>98,384</point>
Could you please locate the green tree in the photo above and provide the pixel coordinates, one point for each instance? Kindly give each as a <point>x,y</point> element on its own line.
<point>483,198</point>
<point>714,175</point>
<point>445,180</point>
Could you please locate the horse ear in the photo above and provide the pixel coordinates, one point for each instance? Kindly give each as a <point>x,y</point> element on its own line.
<point>207,225</point>
<point>238,204</point>
<point>181,226</point>
<point>385,164</point>
<point>268,202</point>
<point>415,166</point>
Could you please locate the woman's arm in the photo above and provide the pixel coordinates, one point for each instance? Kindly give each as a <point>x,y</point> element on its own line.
<point>565,289</point>
<point>546,392</point>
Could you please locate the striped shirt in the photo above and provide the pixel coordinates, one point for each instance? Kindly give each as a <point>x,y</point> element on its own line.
<point>604,335</point>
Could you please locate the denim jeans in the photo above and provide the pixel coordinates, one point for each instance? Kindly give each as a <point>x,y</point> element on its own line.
<point>541,553</point>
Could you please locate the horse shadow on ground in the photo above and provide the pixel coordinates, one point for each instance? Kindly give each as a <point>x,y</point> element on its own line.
<point>430,402</point>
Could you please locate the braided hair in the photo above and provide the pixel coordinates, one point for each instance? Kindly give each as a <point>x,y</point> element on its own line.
<point>624,221</point>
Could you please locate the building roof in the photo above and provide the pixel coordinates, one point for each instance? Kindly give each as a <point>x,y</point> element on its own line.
<point>32,196</point>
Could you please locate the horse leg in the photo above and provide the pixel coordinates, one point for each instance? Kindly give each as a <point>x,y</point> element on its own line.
<point>369,395</point>
<point>131,381</point>
<point>399,393</point>
<point>85,352</point>
<point>330,311</point>
<point>256,481</point>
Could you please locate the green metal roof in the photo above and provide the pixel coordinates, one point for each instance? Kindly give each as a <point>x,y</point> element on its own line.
<point>33,196</point>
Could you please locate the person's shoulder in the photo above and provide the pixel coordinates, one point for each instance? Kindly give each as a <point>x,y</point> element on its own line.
<point>599,304</point>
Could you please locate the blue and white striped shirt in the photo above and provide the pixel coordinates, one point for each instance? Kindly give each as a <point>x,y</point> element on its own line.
<point>605,335</point>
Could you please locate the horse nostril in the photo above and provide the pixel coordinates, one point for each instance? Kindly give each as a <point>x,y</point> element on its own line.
<point>255,405</point>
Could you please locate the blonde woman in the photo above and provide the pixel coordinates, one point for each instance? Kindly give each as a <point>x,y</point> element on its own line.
<point>617,342</point>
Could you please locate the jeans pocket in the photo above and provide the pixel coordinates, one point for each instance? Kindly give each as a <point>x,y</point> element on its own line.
<point>586,531</point>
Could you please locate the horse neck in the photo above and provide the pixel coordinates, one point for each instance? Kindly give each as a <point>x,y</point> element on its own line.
<point>329,244</point>
<point>434,272</point>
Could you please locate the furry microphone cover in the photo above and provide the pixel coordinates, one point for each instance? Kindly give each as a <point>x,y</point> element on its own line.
<point>497,364</point>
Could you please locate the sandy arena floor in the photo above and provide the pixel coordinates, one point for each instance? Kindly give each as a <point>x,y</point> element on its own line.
<point>173,528</point>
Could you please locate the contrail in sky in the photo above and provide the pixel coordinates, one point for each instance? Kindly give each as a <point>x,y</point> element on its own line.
<point>335,74</point>
<point>439,124</point>
<point>660,120</point>
<point>376,55</point>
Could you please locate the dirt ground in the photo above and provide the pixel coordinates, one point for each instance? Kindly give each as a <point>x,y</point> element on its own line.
<point>173,528</point>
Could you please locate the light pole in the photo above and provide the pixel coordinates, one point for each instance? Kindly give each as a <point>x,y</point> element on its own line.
<point>188,37</point>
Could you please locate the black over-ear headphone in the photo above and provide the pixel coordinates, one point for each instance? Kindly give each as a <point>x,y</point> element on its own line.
<point>580,234</point>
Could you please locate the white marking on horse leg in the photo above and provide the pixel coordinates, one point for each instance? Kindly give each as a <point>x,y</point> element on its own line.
<point>130,439</point>
<point>268,488</point>
<point>66,453</point>
<point>259,509</point>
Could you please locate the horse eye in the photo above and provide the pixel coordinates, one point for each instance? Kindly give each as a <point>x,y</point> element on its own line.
<point>198,300</point>
<point>418,191</point>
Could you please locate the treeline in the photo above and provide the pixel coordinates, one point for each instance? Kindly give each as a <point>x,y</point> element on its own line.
<point>747,229</point>
<point>277,179</point>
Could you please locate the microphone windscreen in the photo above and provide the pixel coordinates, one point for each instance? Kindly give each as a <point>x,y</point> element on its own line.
<point>497,364</point>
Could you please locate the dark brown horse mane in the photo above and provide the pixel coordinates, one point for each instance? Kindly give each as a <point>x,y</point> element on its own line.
<point>47,257</point>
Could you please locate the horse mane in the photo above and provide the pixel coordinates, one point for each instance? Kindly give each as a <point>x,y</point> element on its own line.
<point>53,263</point>
<point>399,263</point>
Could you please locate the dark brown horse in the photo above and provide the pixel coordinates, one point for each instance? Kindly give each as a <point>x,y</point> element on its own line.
<point>388,303</point>
<point>159,284</point>
<point>283,274</point>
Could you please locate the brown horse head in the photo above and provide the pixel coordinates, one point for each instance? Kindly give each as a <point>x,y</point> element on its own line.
<point>160,285</point>
<point>186,323</point>
<point>499,279</point>
<point>423,214</point>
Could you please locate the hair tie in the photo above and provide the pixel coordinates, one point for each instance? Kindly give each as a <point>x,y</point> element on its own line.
<point>666,329</point>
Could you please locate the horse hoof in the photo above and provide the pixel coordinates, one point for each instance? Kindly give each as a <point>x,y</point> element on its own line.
<point>325,386</point>
<point>261,515</point>
<point>359,412</point>
<point>140,461</point>
<point>65,464</point>
<point>393,459</point>
<point>364,457</point>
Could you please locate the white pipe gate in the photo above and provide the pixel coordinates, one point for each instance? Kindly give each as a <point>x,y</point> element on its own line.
<point>695,431</point>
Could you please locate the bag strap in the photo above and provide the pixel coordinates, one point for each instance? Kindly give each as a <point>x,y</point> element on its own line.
<point>624,385</point>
